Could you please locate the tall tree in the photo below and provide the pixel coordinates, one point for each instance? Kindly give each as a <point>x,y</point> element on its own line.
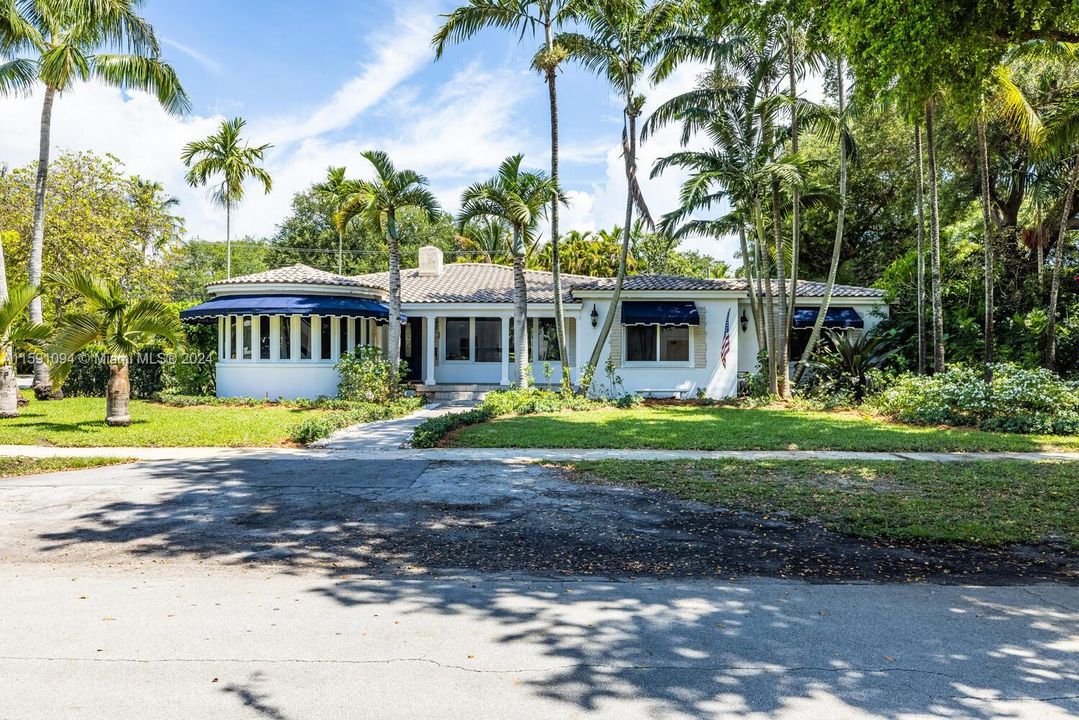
<point>227,155</point>
<point>521,198</point>
<point>121,325</point>
<point>936,298</point>
<point>920,247</point>
<point>376,203</point>
<point>155,224</point>
<point>74,41</point>
<point>520,16</point>
<point>624,37</point>
<point>335,190</point>
<point>16,76</point>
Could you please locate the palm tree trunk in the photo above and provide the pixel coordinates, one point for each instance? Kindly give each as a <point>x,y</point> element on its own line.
<point>751,288</point>
<point>935,296</point>
<point>629,128</point>
<point>987,232</point>
<point>118,395</point>
<point>1054,286</point>
<point>796,203</point>
<point>42,383</point>
<point>556,265</point>
<point>393,332</point>
<point>782,355</point>
<point>769,299</point>
<point>3,273</point>
<point>340,251</point>
<point>920,293</point>
<point>837,245</point>
<point>520,312</point>
<point>9,392</point>
<point>228,240</point>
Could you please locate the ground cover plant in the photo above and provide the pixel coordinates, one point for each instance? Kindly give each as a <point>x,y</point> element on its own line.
<point>983,503</point>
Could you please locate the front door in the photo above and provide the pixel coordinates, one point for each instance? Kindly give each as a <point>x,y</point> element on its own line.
<point>412,348</point>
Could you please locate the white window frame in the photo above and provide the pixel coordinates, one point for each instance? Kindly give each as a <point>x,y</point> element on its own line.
<point>657,362</point>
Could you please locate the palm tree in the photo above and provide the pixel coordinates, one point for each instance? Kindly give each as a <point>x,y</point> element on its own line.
<point>16,76</point>
<point>335,190</point>
<point>520,16</point>
<point>936,300</point>
<point>490,237</point>
<point>228,155</point>
<point>376,202</point>
<point>149,199</point>
<point>16,334</point>
<point>73,41</point>
<point>121,325</point>
<point>521,199</point>
<point>624,38</point>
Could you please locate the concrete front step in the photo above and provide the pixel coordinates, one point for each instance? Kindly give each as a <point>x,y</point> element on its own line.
<point>456,393</point>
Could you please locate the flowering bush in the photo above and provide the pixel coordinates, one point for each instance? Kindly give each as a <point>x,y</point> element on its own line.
<point>1018,400</point>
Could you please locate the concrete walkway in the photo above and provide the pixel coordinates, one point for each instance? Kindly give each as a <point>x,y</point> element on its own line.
<point>383,441</point>
<point>387,434</point>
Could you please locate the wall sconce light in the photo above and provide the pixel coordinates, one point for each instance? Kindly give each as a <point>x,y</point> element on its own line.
<point>595,315</point>
<point>745,321</point>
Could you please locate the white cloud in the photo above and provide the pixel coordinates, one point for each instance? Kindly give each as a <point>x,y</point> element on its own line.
<point>604,205</point>
<point>204,60</point>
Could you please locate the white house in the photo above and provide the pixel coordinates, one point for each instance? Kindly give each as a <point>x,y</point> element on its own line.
<point>280,332</point>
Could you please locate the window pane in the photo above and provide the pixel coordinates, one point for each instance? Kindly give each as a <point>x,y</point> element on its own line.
<point>674,343</point>
<point>284,348</point>
<point>325,331</point>
<point>641,343</point>
<point>305,338</point>
<point>342,336</point>
<point>264,337</point>
<point>488,340</point>
<point>234,338</point>
<point>406,340</point>
<point>548,341</point>
<point>247,337</point>
<point>457,339</point>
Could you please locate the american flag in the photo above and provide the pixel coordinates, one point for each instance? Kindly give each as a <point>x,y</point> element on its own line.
<point>726,348</point>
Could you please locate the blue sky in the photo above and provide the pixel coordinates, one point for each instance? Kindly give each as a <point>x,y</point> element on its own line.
<point>323,86</point>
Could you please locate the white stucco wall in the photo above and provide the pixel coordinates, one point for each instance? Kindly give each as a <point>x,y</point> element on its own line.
<point>291,380</point>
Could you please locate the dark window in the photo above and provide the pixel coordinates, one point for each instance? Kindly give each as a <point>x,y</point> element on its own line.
<point>284,348</point>
<point>305,338</point>
<point>264,337</point>
<point>547,342</point>
<point>641,343</point>
<point>674,343</point>
<point>457,339</point>
<point>488,340</point>
<point>234,341</point>
<point>342,336</point>
<point>325,332</point>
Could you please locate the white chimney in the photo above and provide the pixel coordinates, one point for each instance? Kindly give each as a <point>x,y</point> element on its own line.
<point>430,261</point>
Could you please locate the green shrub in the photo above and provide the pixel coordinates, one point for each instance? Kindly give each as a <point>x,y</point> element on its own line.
<point>429,433</point>
<point>365,375</point>
<point>1018,400</point>
<point>525,401</point>
<point>321,426</point>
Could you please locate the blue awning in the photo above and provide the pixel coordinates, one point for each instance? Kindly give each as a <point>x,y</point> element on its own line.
<point>660,312</point>
<point>210,310</point>
<point>836,317</point>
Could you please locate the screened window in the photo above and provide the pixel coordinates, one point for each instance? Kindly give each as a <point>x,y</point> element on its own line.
<point>342,336</point>
<point>284,344</point>
<point>234,341</point>
<point>651,343</point>
<point>305,338</point>
<point>325,333</point>
<point>547,341</point>
<point>488,340</point>
<point>264,337</point>
<point>641,343</point>
<point>457,339</point>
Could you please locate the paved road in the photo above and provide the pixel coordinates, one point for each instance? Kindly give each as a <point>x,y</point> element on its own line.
<point>278,587</point>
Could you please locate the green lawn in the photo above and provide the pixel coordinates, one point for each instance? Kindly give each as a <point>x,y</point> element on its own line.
<point>80,422</point>
<point>15,466</point>
<point>988,503</point>
<point>680,427</point>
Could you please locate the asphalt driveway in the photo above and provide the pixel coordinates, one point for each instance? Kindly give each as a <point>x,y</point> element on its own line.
<point>418,516</point>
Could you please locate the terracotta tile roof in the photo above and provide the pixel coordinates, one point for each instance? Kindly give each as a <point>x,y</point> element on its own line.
<point>292,275</point>
<point>488,283</point>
